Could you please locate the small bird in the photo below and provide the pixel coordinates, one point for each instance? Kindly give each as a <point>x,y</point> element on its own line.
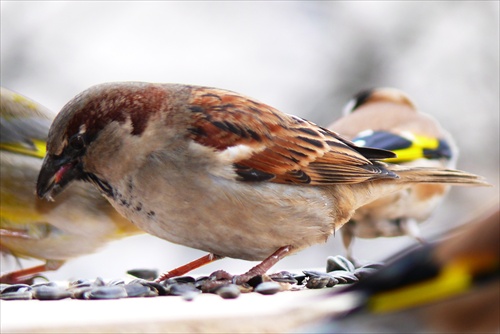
<point>79,223</point>
<point>218,171</point>
<point>387,118</point>
<point>448,286</point>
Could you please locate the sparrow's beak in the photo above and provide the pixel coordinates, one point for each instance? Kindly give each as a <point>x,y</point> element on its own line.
<point>56,173</point>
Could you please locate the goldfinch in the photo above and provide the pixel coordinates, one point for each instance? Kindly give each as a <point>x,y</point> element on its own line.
<point>386,118</point>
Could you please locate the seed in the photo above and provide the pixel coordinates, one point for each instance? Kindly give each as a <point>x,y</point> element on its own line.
<point>209,286</point>
<point>284,277</point>
<point>99,282</point>
<point>118,281</point>
<point>181,289</point>
<point>16,292</point>
<point>344,277</point>
<point>46,292</point>
<point>80,293</point>
<point>319,280</point>
<point>44,284</point>
<point>147,274</point>
<point>178,280</point>
<point>80,283</point>
<point>268,288</point>
<point>137,290</point>
<point>230,291</point>
<point>156,288</point>
<point>338,263</point>
<point>107,292</point>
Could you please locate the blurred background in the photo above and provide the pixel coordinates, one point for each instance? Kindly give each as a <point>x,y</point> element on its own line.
<point>304,58</point>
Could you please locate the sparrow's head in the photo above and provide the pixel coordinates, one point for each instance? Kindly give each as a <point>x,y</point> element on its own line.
<point>103,121</point>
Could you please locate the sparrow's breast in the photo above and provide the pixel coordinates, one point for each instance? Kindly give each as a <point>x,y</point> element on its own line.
<point>224,216</point>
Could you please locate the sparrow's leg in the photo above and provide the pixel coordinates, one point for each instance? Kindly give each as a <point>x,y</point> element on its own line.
<point>264,266</point>
<point>179,271</point>
<point>26,275</point>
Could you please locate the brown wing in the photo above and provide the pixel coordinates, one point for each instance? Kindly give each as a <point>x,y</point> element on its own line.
<point>287,149</point>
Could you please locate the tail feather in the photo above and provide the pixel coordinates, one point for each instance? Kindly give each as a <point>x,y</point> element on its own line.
<point>367,192</point>
<point>437,175</point>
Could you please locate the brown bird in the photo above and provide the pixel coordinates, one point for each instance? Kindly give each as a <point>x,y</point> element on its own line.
<point>386,118</point>
<point>79,223</point>
<point>218,171</point>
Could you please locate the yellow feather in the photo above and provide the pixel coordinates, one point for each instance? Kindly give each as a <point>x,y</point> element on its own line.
<point>453,279</point>
<point>38,151</point>
<point>416,150</point>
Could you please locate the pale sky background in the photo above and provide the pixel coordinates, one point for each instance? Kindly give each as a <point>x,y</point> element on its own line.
<point>304,58</point>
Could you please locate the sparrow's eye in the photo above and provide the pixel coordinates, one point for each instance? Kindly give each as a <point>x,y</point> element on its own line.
<point>77,142</point>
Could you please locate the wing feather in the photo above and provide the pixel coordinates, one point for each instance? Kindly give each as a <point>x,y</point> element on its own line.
<point>287,149</point>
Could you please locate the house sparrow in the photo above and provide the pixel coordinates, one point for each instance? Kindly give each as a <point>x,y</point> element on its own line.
<point>451,285</point>
<point>218,171</point>
<point>386,118</point>
<point>79,223</point>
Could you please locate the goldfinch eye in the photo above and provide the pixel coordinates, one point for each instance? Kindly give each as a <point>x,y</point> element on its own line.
<point>77,142</point>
